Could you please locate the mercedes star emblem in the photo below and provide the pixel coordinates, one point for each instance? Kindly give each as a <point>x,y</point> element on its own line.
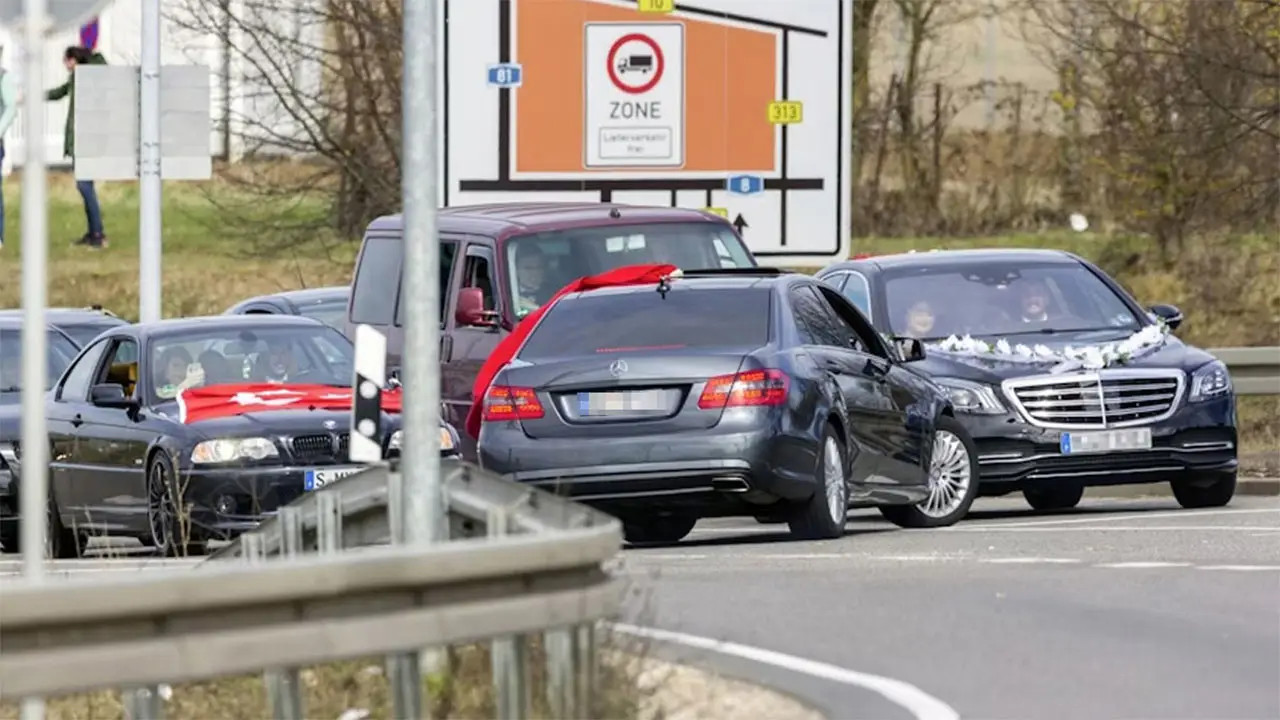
<point>617,368</point>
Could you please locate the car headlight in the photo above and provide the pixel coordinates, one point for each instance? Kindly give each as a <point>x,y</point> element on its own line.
<point>971,397</point>
<point>1211,381</point>
<point>230,450</point>
<point>448,440</point>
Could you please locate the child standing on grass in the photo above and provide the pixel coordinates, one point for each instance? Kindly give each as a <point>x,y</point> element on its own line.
<point>8,111</point>
<point>75,55</point>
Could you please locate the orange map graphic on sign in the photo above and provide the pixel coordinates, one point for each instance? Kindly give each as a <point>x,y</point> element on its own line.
<point>730,79</point>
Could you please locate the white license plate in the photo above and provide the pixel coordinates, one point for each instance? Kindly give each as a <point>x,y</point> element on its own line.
<point>1105,441</point>
<point>621,403</point>
<point>317,479</point>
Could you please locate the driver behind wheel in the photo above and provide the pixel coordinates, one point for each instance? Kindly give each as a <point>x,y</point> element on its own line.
<point>278,364</point>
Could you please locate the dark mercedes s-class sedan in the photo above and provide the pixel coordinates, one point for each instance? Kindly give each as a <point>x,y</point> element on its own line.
<point>1062,378</point>
<point>739,392</point>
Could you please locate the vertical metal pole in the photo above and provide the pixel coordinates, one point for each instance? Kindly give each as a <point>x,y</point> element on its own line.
<point>509,656</point>
<point>149,184</point>
<point>423,507</point>
<point>35,278</point>
<point>328,523</point>
<point>143,704</point>
<point>562,674</point>
<point>284,686</point>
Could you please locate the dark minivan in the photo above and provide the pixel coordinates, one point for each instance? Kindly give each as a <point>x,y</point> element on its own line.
<point>499,262</point>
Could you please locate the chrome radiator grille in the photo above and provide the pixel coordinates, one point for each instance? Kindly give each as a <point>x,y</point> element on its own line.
<point>1104,399</point>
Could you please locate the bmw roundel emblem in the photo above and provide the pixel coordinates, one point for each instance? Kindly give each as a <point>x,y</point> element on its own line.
<point>617,368</point>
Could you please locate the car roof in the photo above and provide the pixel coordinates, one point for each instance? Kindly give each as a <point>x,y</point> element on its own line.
<point>58,315</point>
<point>976,256</point>
<point>305,295</point>
<point>495,219</point>
<point>224,322</point>
<point>709,281</point>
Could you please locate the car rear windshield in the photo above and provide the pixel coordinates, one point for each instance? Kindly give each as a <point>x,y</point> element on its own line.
<point>605,322</point>
<point>540,264</point>
<point>59,352</point>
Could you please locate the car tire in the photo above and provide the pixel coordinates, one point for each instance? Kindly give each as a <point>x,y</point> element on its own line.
<point>953,481</point>
<point>59,542</point>
<point>659,530</point>
<point>1205,491</point>
<point>1055,497</point>
<point>163,519</point>
<point>822,516</point>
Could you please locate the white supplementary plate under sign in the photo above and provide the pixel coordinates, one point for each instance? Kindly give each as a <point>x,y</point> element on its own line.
<point>634,95</point>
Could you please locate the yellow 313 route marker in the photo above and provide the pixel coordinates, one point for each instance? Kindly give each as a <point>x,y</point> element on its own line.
<point>722,212</point>
<point>656,6</point>
<point>786,112</point>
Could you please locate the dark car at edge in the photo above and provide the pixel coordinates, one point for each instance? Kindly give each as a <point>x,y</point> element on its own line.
<point>123,462</point>
<point>80,324</point>
<point>1077,384</point>
<point>721,393</point>
<point>60,350</point>
<point>326,304</point>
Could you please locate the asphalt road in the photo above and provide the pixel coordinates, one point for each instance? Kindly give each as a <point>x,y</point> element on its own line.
<point>1121,609</point>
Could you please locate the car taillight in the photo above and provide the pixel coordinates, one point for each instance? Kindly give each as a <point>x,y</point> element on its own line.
<point>745,389</point>
<point>504,402</point>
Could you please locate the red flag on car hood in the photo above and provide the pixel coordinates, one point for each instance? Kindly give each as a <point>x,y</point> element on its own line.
<point>506,349</point>
<point>217,401</point>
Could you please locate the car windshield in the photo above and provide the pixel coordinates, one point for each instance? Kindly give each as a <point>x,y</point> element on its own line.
<point>330,312</point>
<point>1002,299</point>
<point>59,354</point>
<point>604,322</point>
<point>538,265</point>
<point>286,355</point>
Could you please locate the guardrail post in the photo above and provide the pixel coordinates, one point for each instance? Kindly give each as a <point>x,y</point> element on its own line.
<point>328,523</point>
<point>562,692</point>
<point>510,655</point>
<point>587,660</point>
<point>143,703</point>
<point>404,671</point>
<point>284,686</point>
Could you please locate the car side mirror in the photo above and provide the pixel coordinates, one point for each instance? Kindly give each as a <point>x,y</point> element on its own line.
<point>1170,314</point>
<point>110,395</point>
<point>909,349</point>
<point>469,309</point>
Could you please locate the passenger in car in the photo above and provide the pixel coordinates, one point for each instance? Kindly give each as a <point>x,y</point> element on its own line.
<point>175,372</point>
<point>531,277</point>
<point>217,369</point>
<point>920,320</point>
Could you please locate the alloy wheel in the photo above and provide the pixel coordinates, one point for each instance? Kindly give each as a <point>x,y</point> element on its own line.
<point>160,506</point>
<point>949,475</point>
<point>833,480</point>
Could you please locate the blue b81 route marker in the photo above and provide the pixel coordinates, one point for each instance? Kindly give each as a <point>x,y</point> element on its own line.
<point>744,184</point>
<point>506,75</point>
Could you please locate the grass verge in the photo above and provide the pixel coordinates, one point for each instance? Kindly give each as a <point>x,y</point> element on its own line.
<point>1225,285</point>
<point>358,690</point>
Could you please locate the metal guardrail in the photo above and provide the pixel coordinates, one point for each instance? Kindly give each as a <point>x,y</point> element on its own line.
<point>519,561</point>
<point>1254,370</point>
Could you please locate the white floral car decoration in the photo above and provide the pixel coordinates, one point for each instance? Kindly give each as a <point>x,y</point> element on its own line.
<point>1087,357</point>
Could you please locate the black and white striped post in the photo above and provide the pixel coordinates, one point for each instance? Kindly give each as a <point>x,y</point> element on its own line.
<point>366,396</point>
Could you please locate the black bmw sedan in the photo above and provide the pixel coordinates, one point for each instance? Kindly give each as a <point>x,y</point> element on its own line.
<point>1062,378</point>
<point>128,458</point>
<point>721,393</point>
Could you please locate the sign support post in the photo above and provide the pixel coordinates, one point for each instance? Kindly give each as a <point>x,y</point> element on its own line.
<point>150,185</point>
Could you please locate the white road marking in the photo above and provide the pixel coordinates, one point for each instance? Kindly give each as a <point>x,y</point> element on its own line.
<point>1030,561</point>
<point>1113,528</point>
<point>1142,565</point>
<point>920,704</point>
<point>1241,568</point>
<point>1116,518</point>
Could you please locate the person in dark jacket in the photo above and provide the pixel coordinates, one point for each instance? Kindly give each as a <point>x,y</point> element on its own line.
<point>96,237</point>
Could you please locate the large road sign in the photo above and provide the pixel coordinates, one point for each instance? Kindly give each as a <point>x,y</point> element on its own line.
<point>61,14</point>
<point>108,130</point>
<point>738,105</point>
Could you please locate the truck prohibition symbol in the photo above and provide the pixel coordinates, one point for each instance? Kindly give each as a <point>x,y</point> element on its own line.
<point>636,63</point>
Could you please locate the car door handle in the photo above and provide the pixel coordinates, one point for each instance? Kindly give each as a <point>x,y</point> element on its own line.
<point>833,367</point>
<point>77,421</point>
